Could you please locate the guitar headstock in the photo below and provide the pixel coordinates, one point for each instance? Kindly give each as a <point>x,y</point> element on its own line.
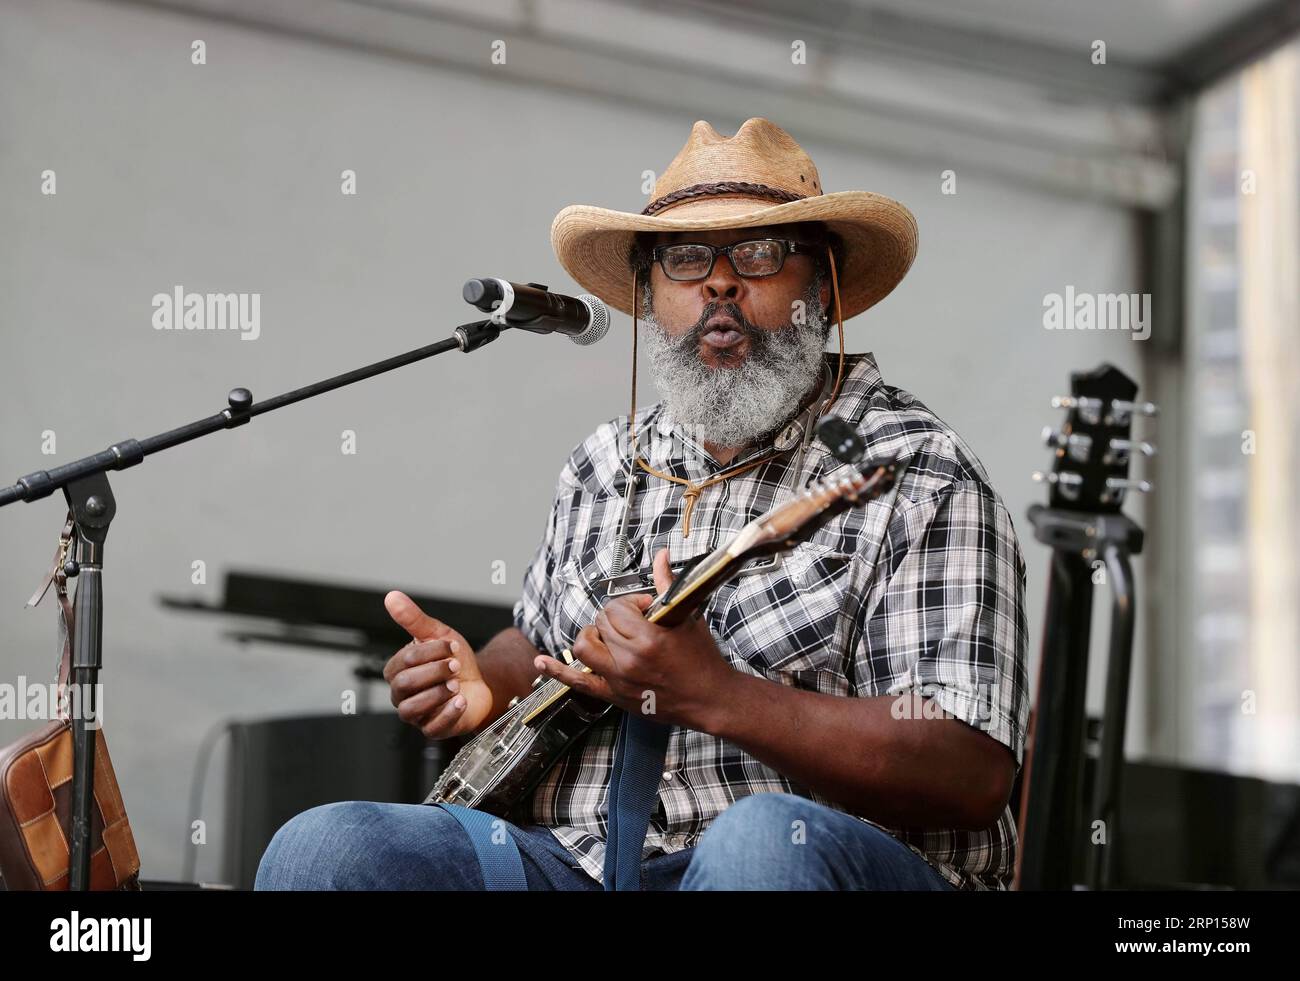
<point>1094,445</point>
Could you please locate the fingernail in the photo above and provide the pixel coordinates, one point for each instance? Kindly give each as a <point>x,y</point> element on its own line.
<point>454,664</point>
<point>453,685</point>
<point>454,646</point>
<point>460,702</point>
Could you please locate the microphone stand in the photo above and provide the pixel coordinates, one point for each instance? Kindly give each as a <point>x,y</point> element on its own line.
<point>90,499</point>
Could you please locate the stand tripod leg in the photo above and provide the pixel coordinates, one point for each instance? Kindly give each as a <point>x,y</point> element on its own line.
<point>1054,772</point>
<point>1105,798</point>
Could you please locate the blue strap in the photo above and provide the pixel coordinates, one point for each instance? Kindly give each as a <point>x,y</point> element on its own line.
<point>499,861</point>
<point>633,789</point>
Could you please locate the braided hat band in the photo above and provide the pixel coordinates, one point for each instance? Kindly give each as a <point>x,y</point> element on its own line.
<point>720,187</point>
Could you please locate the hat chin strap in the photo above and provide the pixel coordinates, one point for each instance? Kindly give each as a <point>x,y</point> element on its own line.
<point>692,492</point>
<point>839,319</point>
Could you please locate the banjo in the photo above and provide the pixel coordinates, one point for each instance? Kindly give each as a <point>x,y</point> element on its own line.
<point>500,767</point>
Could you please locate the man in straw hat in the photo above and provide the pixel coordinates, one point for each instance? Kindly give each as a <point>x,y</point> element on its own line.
<point>851,718</point>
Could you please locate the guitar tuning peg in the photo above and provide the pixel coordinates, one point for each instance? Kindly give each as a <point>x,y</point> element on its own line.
<point>1089,409</point>
<point>841,439</point>
<point>621,480</point>
<point>1068,482</point>
<point>1117,486</point>
<point>1065,478</point>
<point>1119,450</point>
<point>1122,409</point>
<point>1077,445</point>
<point>1137,408</point>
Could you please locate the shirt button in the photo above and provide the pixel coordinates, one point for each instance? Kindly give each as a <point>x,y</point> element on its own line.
<point>668,775</point>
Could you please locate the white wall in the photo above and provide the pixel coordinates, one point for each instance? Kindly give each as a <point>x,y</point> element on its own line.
<point>224,178</point>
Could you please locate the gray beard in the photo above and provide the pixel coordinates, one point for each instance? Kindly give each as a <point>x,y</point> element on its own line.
<point>735,406</point>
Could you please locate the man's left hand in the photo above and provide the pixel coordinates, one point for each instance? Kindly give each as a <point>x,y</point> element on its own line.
<point>675,675</point>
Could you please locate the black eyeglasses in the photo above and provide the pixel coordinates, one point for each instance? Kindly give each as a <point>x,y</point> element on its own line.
<point>686,261</point>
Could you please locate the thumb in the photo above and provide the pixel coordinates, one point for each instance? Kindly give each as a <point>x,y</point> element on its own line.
<point>411,618</point>
<point>662,573</point>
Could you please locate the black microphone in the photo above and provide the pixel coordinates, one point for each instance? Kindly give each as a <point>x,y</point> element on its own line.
<point>531,306</point>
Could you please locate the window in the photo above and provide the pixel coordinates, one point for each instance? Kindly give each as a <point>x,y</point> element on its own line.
<point>1243,383</point>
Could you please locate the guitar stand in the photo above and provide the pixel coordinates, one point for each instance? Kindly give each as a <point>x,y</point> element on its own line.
<point>1050,812</point>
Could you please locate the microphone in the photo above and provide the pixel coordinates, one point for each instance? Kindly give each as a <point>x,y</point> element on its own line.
<point>531,306</point>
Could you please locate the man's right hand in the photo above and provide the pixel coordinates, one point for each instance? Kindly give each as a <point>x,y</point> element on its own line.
<point>434,681</point>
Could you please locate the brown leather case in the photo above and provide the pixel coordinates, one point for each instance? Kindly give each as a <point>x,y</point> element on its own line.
<point>36,811</point>
<point>36,789</point>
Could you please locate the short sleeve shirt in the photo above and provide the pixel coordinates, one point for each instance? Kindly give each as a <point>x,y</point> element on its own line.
<point>920,591</point>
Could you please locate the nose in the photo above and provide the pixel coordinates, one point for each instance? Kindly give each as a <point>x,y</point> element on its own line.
<point>723,283</point>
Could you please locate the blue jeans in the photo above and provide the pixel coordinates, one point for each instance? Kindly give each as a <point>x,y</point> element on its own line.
<point>763,841</point>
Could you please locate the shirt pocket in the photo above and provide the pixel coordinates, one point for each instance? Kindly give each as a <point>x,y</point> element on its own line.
<point>784,622</point>
<point>581,589</point>
<point>578,596</point>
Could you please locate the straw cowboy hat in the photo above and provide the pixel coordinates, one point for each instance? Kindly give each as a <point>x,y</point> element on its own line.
<point>760,176</point>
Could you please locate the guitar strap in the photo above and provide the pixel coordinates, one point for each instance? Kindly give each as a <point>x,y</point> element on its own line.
<point>633,789</point>
<point>498,855</point>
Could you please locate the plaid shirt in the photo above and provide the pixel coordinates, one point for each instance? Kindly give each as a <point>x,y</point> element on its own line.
<point>920,591</point>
